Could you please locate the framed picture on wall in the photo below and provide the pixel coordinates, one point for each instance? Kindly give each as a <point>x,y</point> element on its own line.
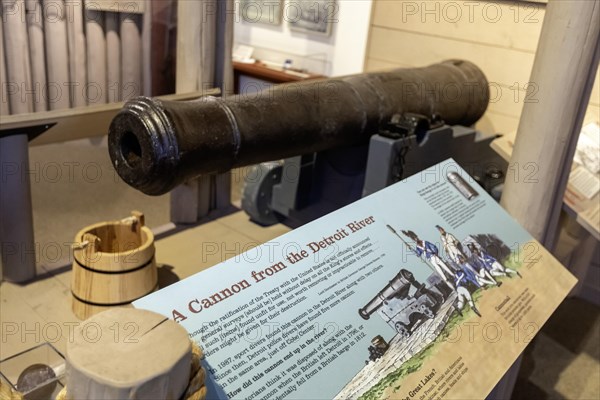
<point>311,16</point>
<point>261,11</point>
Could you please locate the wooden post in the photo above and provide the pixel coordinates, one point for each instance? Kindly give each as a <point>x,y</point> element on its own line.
<point>562,76</point>
<point>191,201</point>
<point>113,56</point>
<point>35,30</point>
<point>16,220</point>
<point>204,45</point>
<point>18,65</point>
<point>77,54</point>
<point>57,54</point>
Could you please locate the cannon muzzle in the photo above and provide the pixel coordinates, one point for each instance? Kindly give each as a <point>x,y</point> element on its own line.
<point>156,145</point>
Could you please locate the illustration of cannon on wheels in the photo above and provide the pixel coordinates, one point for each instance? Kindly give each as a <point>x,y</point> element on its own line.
<point>402,310</point>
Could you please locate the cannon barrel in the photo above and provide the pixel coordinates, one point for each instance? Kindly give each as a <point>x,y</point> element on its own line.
<point>396,288</point>
<point>156,145</point>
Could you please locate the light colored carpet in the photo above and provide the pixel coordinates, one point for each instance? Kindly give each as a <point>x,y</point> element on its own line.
<point>563,361</point>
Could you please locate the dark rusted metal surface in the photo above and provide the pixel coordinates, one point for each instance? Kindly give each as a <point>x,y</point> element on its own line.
<point>156,145</point>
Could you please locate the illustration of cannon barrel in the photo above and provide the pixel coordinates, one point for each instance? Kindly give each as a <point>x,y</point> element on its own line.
<point>156,145</point>
<point>397,288</point>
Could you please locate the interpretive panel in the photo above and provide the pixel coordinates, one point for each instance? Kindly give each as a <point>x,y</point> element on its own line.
<point>426,289</point>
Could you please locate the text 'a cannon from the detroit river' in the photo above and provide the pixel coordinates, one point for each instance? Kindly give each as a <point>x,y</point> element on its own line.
<point>340,234</point>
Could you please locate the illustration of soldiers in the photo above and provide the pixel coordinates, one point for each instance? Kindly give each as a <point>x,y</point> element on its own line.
<point>469,274</point>
<point>464,296</point>
<point>490,263</point>
<point>452,245</point>
<point>483,276</point>
<point>431,254</point>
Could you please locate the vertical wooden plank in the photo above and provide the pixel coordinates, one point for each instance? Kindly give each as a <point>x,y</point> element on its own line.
<point>4,108</point>
<point>188,45</point>
<point>204,46</point>
<point>208,45</point>
<point>190,201</point>
<point>97,91</point>
<point>223,78</point>
<point>224,48</point>
<point>35,31</point>
<point>77,52</point>
<point>205,77</point>
<point>57,54</point>
<point>113,56</point>
<point>147,49</point>
<point>16,49</point>
<point>163,47</point>
<point>131,54</point>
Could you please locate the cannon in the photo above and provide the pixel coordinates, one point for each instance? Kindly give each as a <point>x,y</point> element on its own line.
<point>398,287</point>
<point>401,310</point>
<point>156,145</point>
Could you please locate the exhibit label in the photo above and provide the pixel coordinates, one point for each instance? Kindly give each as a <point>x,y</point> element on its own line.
<point>409,293</point>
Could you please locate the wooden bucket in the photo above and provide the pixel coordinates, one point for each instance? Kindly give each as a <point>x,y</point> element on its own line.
<point>113,265</point>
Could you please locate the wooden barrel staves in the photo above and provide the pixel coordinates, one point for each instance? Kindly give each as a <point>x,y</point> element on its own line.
<point>113,265</point>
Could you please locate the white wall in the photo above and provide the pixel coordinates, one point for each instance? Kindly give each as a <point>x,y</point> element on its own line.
<point>500,37</point>
<point>341,53</point>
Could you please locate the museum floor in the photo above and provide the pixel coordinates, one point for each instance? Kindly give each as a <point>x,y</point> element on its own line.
<point>563,362</point>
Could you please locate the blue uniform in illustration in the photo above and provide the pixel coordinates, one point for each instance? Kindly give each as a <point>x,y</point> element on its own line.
<point>468,274</point>
<point>464,296</point>
<point>488,262</point>
<point>431,253</point>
